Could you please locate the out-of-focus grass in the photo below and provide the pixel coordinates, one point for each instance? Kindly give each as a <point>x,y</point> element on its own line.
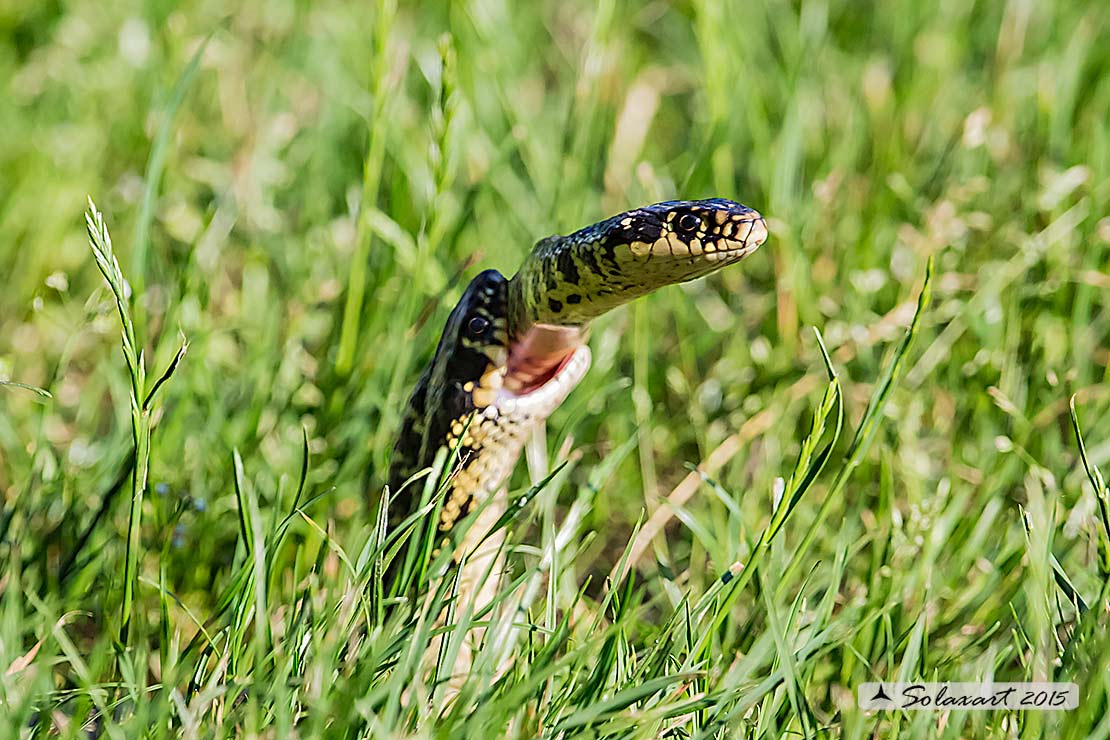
<point>964,544</point>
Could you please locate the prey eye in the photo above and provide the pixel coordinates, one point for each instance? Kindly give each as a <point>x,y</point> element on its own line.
<point>689,222</point>
<point>478,327</point>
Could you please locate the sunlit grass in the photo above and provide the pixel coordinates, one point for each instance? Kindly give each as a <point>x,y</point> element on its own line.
<point>735,519</point>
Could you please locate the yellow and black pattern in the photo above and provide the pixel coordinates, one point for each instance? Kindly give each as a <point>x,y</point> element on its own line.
<point>462,398</point>
<point>459,401</point>
<point>463,376</point>
<point>570,280</point>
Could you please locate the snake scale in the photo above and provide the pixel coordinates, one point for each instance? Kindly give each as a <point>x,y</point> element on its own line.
<point>513,349</point>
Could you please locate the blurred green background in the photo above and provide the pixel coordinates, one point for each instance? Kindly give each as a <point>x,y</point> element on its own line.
<point>255,165</point>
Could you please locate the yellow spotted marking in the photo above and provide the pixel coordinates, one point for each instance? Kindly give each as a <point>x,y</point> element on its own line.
<point>493,378</point>
<point>484,397</point>
<point>674,244</point>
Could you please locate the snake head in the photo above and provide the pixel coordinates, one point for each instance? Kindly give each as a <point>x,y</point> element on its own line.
<point>463,402</point>
<point>466,372</point>
<point>570,280</point>
<point>470,358</point>
<point>689,238</point>
<point>669,242</point>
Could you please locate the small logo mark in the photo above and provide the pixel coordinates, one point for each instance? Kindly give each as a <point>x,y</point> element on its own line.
<point>880,695</point>
<point>983,696</point>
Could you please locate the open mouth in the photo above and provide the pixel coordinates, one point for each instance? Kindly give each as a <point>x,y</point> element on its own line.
<point>539,355</point>
<point>538,395</point>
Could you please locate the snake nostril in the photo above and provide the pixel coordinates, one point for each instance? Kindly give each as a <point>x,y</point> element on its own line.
<point>757,232</point>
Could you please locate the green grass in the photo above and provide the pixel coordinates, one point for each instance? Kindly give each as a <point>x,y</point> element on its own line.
<point>300,190</point>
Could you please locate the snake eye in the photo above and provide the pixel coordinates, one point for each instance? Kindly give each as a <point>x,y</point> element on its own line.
<point>688,222</point>
<point>478,327</point>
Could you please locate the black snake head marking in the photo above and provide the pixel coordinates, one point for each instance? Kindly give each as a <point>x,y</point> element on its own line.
<point>461,401</point>
<point>466,369</point>
<point>569,280</point>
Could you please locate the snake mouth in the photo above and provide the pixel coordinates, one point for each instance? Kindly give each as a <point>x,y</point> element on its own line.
<point>539,355</point>
<point>539,395</point>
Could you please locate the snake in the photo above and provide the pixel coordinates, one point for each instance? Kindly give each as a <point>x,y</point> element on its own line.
<point>512,350</point>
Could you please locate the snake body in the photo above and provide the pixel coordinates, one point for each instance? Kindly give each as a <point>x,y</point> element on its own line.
<point>512,350</point>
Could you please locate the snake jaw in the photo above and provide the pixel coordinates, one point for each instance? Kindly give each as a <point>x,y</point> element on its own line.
<point>536,401</point>
<point>498,431</point>
<point>538,354</point>
<point>676,257</point>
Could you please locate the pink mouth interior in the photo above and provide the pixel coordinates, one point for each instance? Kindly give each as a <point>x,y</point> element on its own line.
<point>538,356</point>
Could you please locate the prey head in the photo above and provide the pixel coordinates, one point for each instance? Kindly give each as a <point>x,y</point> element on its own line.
<point>469,373</point>
<point>473,349</point>
<point>463,395</point>
<point>463,401</point>
<point>468,364</point>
